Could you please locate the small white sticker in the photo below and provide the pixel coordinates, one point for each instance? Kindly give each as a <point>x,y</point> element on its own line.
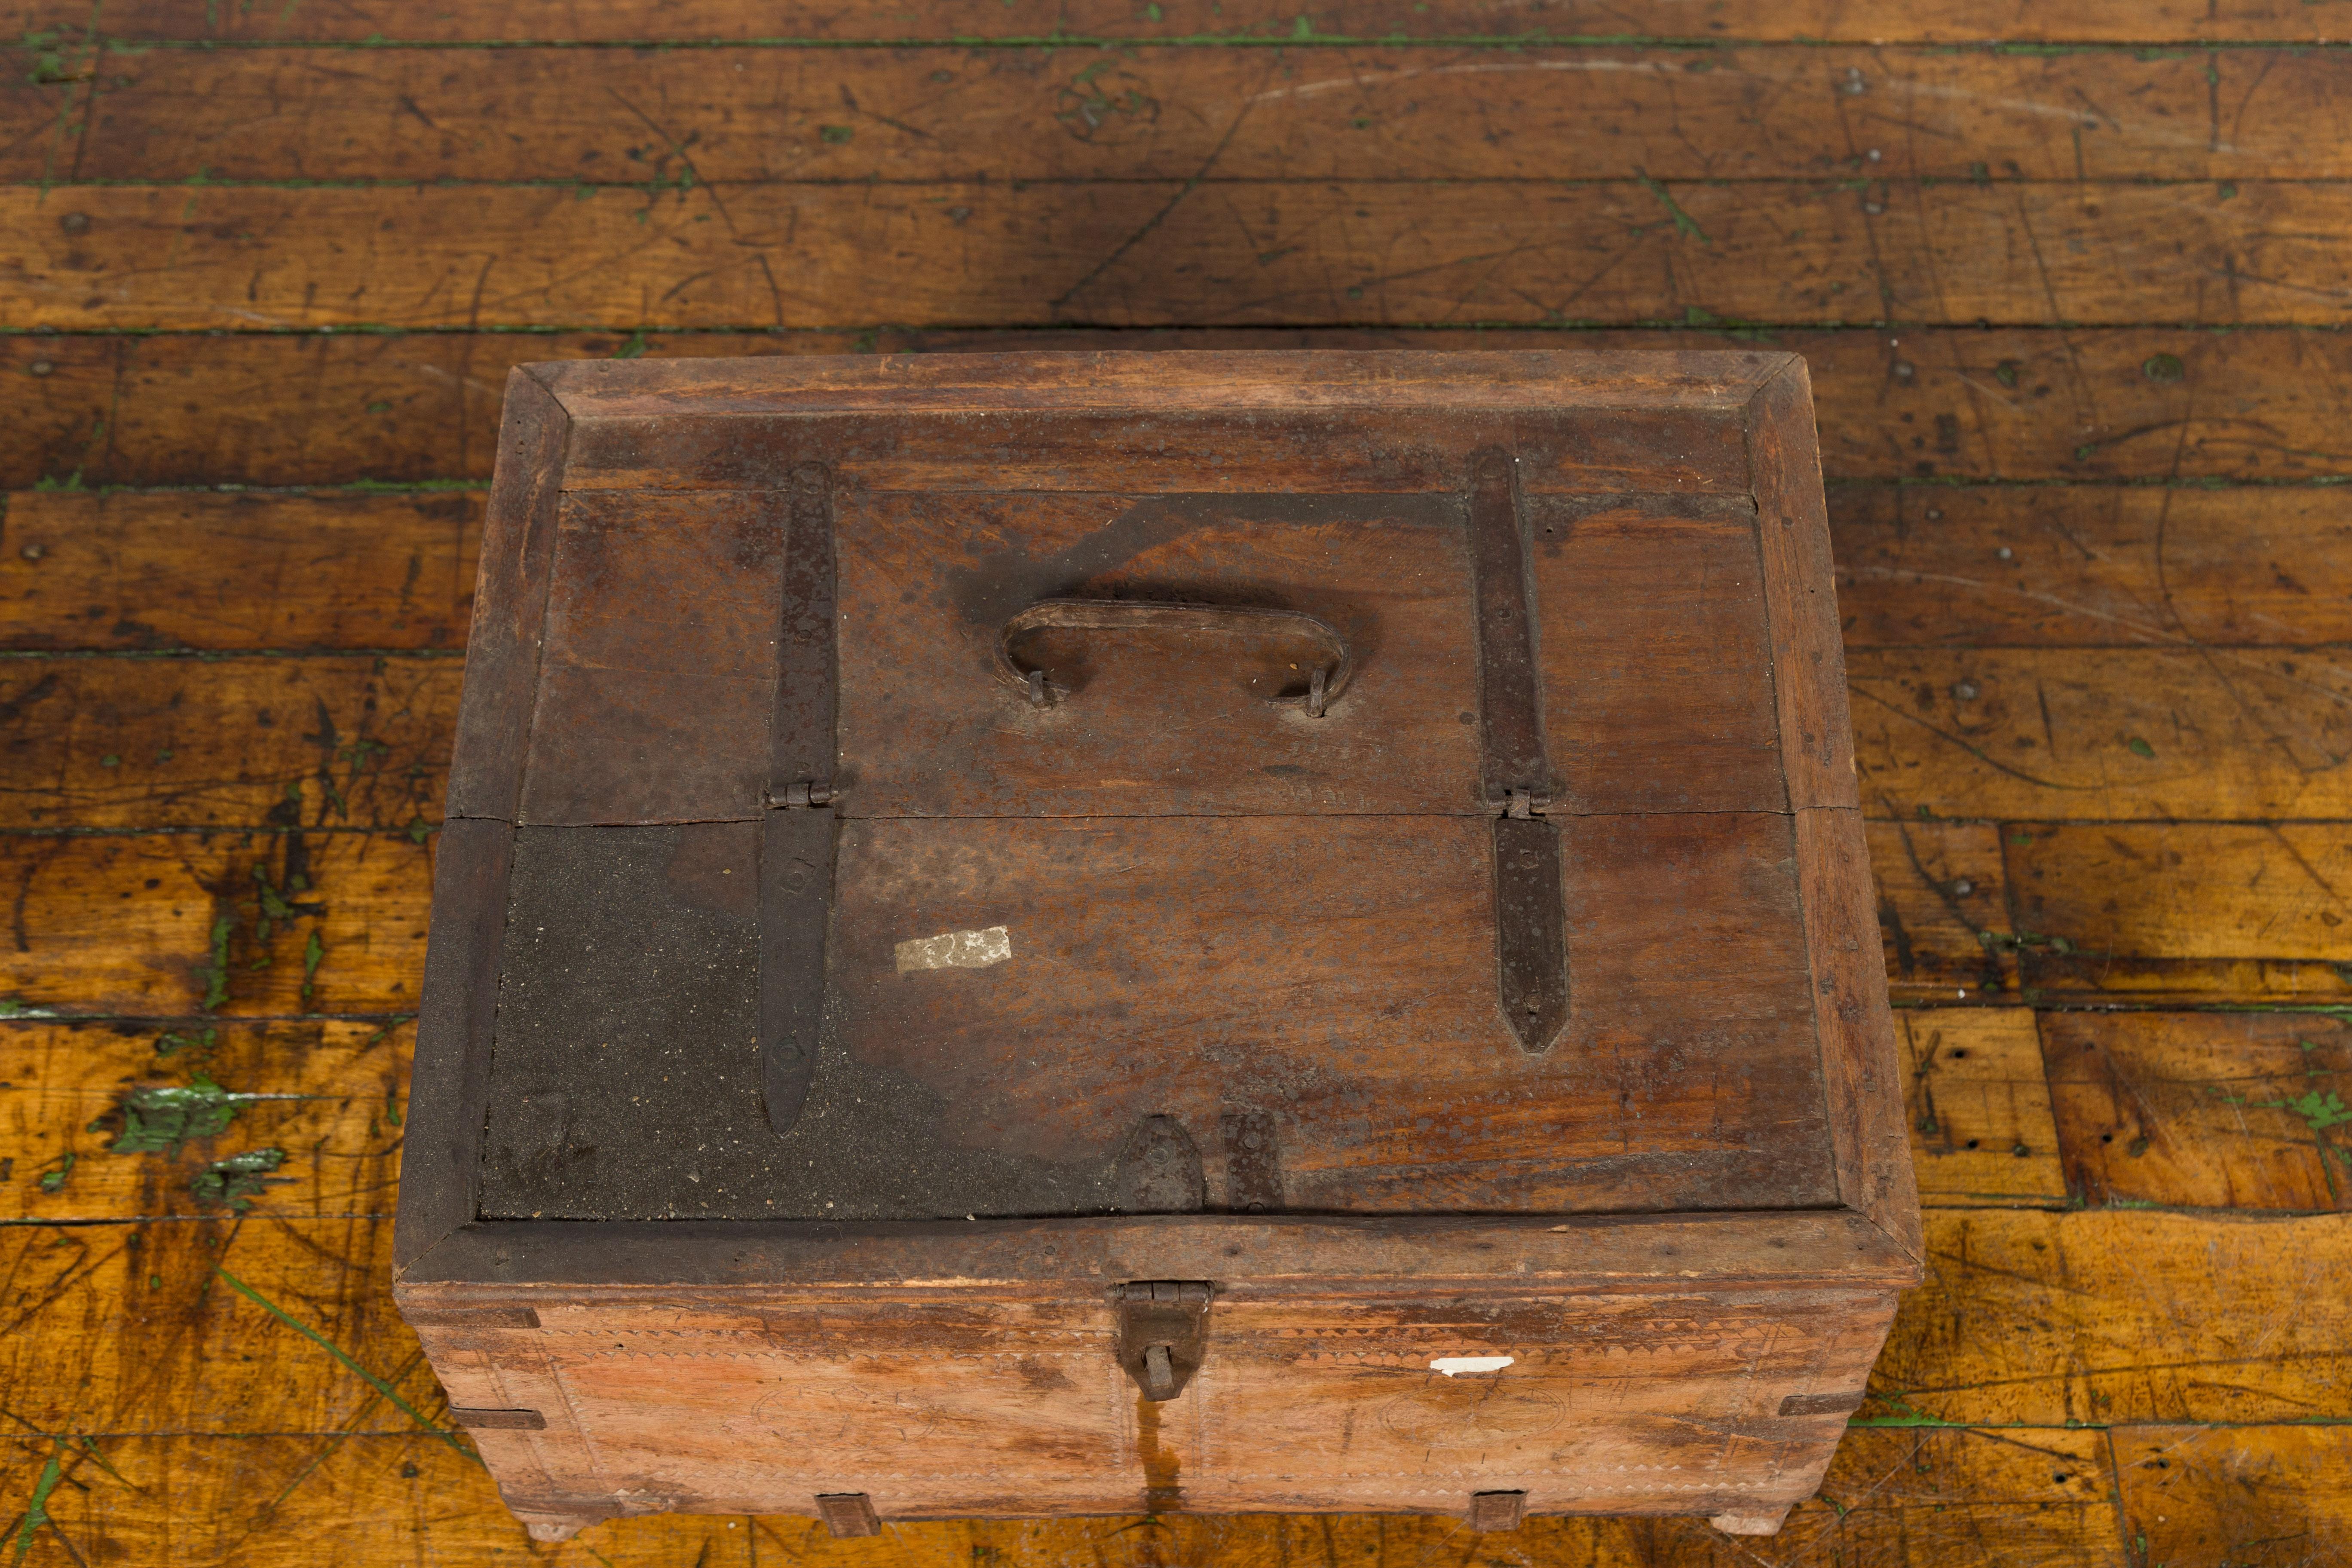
<point>1455,1365</point>
<point>956,949</point>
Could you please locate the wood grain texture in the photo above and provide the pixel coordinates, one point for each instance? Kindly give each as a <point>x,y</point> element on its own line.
<point>1728,1098</point>
<point>2202,1110</point>
<point>2085,1302</point>
<point>2081,403</point>
<point>120,1329</point>
<point>2071,733</point>
<point>1387,112</point>
<point>1269,21</point>
<point>337,1103</point>
<point>1333,423</point>
<point>2178,734</point>
<point>331,742</point>
<point>1943,910</point>
<point>655,685</point>
<point>1384,1072</point>
<point>928,727</point>
<point>178,926</point>
<point>2135,908</point>
<point>2213,572</point>
<point>441,1151</point>
<point>1342,253</point>
<point>331,1096</point>
<point>2204,1497</point>
<point>1616,656</point>
<point>238,571</point>
<point>2119,1316</point>
<point>1980,1110</point>
<point>2169,1316</point>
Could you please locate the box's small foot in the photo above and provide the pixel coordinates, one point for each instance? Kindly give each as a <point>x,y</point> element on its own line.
<point>1752,1522</point>
<point>1497,1510</point>
<point>848,1514</point>
<point>553,1526</point>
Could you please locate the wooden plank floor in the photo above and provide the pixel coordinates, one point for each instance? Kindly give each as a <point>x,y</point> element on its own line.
<point>2072,279</point>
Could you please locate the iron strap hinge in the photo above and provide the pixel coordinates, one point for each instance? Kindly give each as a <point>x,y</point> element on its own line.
<point>1163,1333</point>
<point>807,793</point>
<point>1515,766</point>
<point>799,843</point>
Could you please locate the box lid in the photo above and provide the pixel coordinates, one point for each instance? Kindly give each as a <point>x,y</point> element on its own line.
<point>1341,784</point>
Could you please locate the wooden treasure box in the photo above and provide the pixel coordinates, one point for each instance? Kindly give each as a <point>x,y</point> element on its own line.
<point>1091,933</point>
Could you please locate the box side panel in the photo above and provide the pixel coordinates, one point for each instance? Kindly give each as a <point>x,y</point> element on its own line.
<point>1801,594</point>
<point>1147,449</point>
<point>1698,1403</point>
<point>502,647</point>
<point>505,1391</point>
<point>1860,1066</point>
<point>1262,380</point>
<point>1859,1063</point>
<point>441,1149</point>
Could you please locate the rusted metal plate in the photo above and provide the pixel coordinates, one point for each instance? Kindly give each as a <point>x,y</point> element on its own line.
<point>1531,930</point>
<point>806,677</point>
<point>796,839</point>
<point>623,1069</point>
<point>496,1420</point>
<point>1163,1333</point>
<point>1516,770</point>
<point>1510,708</point>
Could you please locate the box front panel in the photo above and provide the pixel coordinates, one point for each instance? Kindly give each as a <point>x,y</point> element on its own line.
<point>961,1407</point>
<point>1591,1404</point>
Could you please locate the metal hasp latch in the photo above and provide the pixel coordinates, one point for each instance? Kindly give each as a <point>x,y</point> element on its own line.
<point>1163,1333</point>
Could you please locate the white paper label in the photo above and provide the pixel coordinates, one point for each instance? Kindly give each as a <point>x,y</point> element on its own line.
<point>956,949</point>
<point>1455,1365</point>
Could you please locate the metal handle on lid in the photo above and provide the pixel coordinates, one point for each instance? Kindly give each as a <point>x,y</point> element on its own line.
<point>1327,674</point>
